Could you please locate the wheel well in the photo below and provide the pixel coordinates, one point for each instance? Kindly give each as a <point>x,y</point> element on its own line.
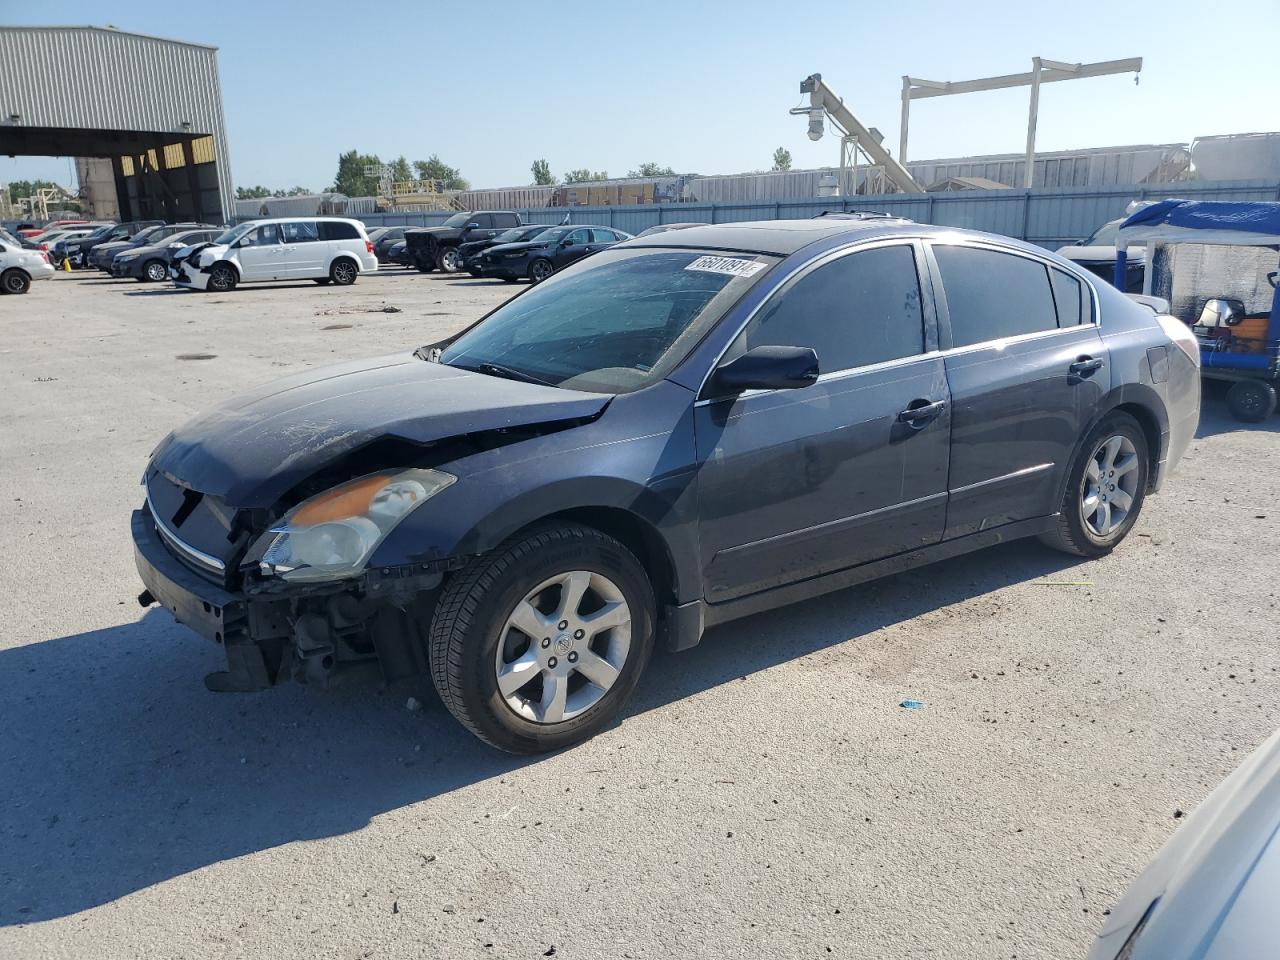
<point>1150,429</point>
<point>344,256</point>
<point>226,263</point>
<point>636,535</point>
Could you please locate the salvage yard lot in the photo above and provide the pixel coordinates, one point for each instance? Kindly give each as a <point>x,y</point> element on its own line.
<point>765,795</point>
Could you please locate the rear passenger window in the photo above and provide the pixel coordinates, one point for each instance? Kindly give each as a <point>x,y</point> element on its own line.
<point>506,220</point>
<point>860,309</point>
<point>300,231</point>
<point>1069,296</point>
<point>603,236</point>
<point>993,295</point>
<point>338,230</point>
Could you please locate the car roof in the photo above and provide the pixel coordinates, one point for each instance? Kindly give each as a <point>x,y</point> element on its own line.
<point>784,237</point>
<point>261,220</point>
<point>779,237</point>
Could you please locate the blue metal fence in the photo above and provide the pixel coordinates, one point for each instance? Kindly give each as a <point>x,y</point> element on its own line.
<point>1048,217</point>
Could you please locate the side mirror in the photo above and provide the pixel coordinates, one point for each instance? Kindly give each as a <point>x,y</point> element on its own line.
<point>244,241</point>
<point>472,226</point>
<point>768,368</point>
<point>1221,312</point>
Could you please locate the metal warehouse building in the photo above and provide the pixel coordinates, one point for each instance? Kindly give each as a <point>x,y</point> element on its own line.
<point>148,109</point>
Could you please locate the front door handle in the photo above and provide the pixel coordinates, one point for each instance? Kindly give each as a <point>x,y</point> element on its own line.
<point>920,412</point>
<point>1083,368</point>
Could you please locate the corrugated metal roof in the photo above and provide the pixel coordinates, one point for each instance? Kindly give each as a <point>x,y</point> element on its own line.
<point>122,81</point>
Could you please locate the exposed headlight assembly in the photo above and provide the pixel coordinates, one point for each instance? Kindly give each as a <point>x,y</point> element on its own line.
<point>332,535</point>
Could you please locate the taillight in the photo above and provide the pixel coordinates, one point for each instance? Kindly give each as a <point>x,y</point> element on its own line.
<point>44,256</point>
<point>369,245</point>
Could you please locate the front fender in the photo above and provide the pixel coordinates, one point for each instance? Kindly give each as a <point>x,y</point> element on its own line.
<point>637,458</point>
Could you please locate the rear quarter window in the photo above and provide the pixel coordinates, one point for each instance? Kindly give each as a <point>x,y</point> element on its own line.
<point>1070,297</point>
<point>337,230</point>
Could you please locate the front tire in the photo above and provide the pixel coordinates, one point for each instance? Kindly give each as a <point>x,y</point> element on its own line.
<point>222,278</point>
<point>155,271</point>
<point>1251,401</point>
<point>540,269</point>
<point>15,281</point>
<point>449,260</point>
<point>538,645</point>
<point>1105,489</point>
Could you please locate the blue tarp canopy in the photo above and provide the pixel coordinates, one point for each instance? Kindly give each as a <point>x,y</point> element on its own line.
<point>1236,222</point>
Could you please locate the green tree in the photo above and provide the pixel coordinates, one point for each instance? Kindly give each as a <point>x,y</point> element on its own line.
<point>446,177</point>
<point>782,159</point>
<point>20,189</point>
<point>351,178</point>
<point>400,169</point>
<point>582,173</point>
<point>295,192</point>
<point>253,193</point>
<point>542,174</point>
<point>651,170</point>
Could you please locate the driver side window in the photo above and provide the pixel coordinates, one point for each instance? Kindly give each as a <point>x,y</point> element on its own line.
<point>860,309</point>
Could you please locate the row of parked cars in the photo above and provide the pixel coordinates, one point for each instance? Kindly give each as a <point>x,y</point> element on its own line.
<point>485,243</point>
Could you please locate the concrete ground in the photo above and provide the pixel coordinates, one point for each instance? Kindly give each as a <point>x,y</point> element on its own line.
<point>764,796</point>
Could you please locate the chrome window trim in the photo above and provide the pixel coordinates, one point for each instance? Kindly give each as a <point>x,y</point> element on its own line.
<point>171,538</point>
<point>996,246</point>
<point>833,376</point>
<point>915,242</point>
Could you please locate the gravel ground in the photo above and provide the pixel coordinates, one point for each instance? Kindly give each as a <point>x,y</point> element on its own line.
<point>764,795</point>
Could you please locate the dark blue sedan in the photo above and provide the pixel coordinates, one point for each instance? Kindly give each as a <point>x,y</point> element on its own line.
<point>551,250</point>
<point>678,431</point>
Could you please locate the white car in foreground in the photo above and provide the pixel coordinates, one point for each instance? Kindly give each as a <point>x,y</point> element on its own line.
<point>322,249</point>
<point>18,267</point>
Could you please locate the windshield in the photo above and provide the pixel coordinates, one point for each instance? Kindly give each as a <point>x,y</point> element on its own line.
<point>512,235</point>
<point>232,235</point>
<point>555,233</point>
<point>457,220</point>
<point>1105,235</point>
<point>617,323</point>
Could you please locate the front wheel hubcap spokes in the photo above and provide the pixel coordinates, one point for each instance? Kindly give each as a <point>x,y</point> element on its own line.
<point>1110,485</point>
<point>563,646</point>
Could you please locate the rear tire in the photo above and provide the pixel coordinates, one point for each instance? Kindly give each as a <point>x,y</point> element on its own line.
<point>1105,489</point>
<point>477,612</point>
<point>15,281</point>
<point>1251,401</point>
<point>344,272</point>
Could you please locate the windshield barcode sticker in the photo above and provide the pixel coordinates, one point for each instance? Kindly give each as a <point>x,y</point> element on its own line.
<point>732,266</point>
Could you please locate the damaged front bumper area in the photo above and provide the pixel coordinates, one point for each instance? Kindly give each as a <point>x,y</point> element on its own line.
<point>314,633</point>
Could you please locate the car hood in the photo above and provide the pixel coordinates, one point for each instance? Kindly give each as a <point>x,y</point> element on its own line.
<point>1217,879</point>
<point>255,448</point>
<point>146,251</point>
<point>1134,254</point>
<point>521,247</point>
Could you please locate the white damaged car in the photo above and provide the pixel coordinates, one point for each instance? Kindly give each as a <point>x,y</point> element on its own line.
<point>18,266</point>
<point>321,249</point>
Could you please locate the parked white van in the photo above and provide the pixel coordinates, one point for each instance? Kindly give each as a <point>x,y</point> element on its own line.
<point>323,249</point>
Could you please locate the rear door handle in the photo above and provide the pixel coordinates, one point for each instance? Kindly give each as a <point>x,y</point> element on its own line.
<point>920,412</point>
<point>1084,367</point>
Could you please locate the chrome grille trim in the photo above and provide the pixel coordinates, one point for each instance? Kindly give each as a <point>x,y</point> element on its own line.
<point>198,557</point>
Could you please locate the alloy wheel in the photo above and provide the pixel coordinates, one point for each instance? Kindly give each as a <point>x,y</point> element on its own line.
<point>156,271</point>
<point>540,271</point>
<point>1110,485</point>
<point>563,647</point>
<point>451,260</point>
<point>344,272</point>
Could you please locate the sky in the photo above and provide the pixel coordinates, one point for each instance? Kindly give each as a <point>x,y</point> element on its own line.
<point>700,85</point>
